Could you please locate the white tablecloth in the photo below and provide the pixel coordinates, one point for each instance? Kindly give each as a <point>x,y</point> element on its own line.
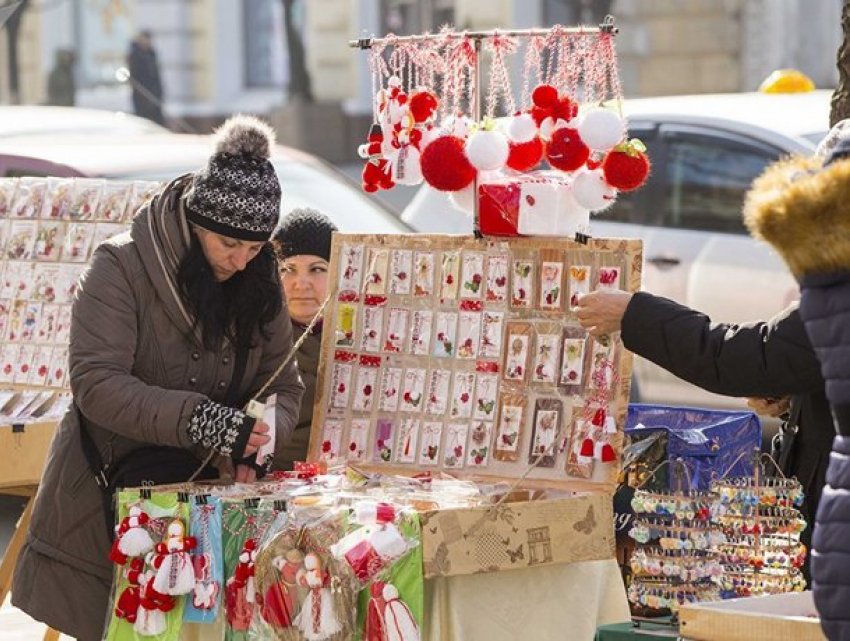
<point>555,602</point>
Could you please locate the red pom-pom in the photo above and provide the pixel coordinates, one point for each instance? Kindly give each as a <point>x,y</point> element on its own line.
<point>544,95</point>
<point>566,151</point>
<point>626,169</point>
<point>445,166</point>
<point>422,105</point>
<point>525,155</point>
<point>608,455</point>
<point>586,448</point>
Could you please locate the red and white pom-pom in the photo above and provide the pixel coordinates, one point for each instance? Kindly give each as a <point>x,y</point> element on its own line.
<point>487,150</point>
<point>522,128</point>
<point>445,166</point>
<point>592,191</point>
<point>524,156</point>
<point>601,129</point>
<point>566,150</point>
<point>626,167</point>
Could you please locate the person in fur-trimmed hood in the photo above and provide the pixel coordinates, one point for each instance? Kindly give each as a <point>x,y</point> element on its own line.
<point>176,325</point>
<point>799,205</point>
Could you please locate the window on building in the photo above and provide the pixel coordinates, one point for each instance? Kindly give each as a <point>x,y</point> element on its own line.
<point>266,61</point>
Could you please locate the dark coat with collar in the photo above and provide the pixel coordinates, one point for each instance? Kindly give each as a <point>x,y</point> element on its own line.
<point>800,207</point>
<point>137,370</point>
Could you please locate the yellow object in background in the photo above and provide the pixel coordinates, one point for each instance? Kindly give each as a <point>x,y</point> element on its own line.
<point>787,81</point>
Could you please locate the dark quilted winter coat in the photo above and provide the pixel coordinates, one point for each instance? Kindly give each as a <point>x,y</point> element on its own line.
<point>803,209</point>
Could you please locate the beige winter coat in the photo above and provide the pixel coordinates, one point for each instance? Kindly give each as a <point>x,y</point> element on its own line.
<point>137,372</point>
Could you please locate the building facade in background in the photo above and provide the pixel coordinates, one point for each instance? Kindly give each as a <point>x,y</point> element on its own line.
<point>222,56</point>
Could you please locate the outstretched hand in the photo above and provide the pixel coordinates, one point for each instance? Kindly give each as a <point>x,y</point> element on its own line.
<point>601,312</point>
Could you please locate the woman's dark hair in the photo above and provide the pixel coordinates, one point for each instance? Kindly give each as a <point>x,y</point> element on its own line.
<point>241,307</point>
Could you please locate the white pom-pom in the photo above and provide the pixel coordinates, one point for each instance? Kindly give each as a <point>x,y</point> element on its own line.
<point>522,128</point>
<point>245,135</point>
<point>135,542</point>
<point>487,150</point>
<point>390,592</point>
<point>464,199</point>
<point>601,129</point>
<point>591,190</point>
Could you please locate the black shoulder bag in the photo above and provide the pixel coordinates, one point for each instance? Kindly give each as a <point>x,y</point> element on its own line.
<point>782,445</point>
<point>153,464</point>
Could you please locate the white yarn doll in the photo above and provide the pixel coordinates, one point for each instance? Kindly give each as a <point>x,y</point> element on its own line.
<point>175,573</point>
<point>399,624</point>
<point>317,619</point>
<point>133,537</point>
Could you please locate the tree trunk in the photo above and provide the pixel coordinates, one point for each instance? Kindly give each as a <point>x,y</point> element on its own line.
<point>299,78</point>
<point>13,25</point>
<point>840,108</point>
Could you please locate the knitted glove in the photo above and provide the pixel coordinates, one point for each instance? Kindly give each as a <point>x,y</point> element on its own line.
<point>223,429</point>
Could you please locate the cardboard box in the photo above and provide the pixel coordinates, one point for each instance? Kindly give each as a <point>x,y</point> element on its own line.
<point>517,535</point>
<point>777,617</point>
<point>24,453</point>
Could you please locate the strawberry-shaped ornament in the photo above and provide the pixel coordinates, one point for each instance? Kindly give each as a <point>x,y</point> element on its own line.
<point>175,573</point>
<point>626,166</point>
<point>377,173</point>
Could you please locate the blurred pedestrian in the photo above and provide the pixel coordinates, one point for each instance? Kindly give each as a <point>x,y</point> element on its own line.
<point>61,84</point>
<point>770,360</point>
<point>303,246</point>
<point>800,207</point>
<point>145,78</point>
<point>176,324</point>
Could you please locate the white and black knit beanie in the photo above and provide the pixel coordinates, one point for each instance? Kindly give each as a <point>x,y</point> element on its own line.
<point>237,194</point>
<point>305,232</point>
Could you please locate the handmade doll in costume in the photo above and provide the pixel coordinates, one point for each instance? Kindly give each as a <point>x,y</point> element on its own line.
<point>132,537</point>
<point>281,598</point>
<point>240,593</point>
<point>399,624</point>
<point>153,605</point>
<point>175,572</point>
<point>317,619</point>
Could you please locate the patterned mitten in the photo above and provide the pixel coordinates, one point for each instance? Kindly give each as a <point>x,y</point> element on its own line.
<point>223,429</point>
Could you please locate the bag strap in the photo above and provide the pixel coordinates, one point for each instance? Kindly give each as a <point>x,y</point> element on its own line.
<point>99,471</point>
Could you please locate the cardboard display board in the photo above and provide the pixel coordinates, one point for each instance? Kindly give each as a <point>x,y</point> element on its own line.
<point>462,355</point>
<point>48,230</point>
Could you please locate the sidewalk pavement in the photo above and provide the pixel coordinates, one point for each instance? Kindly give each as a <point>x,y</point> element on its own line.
<point>17,626</point>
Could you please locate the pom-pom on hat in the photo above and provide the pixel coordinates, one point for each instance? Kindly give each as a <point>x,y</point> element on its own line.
<point>305,232</point>
<point>237,194</point>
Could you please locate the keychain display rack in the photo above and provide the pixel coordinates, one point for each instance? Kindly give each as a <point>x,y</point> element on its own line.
<point>676,559</point>
<point>760,517</point>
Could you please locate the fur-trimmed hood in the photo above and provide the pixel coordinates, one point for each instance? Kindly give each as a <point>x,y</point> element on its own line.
<point>803,210</point>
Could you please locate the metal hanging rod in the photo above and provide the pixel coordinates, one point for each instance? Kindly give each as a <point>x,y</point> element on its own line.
<point>607,26</point>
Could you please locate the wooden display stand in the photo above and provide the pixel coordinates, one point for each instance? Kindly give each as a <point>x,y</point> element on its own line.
<point>25,449</point>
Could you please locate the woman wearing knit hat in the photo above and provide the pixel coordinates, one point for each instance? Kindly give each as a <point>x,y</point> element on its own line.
<point>177,324</point>
<point>799,206</point>
<point>303,246</point>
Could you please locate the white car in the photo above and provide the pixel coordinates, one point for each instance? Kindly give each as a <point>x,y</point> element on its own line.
<point>18,121</point>
<point>705,152</point>
<point>306,180</point>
